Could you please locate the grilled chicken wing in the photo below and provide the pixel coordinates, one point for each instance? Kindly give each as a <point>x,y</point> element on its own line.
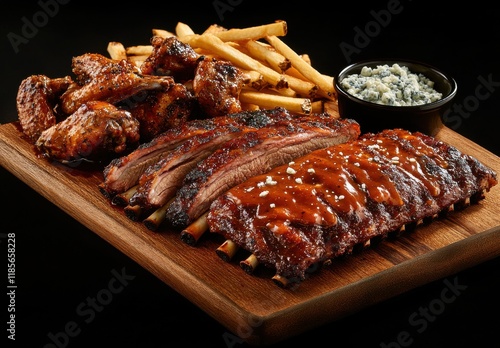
<point>101,78</point>
<point>160,110</point>
<point>217,85</point>
<point>37,100</point>
<point>97,128</point>
<point>171,57</point>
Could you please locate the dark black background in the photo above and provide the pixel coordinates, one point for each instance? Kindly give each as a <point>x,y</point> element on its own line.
<point>60,262</point>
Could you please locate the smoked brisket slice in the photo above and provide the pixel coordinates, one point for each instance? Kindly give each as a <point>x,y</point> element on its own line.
<point>253,153</point>
<point>124,172</point>
<point>325,203</point>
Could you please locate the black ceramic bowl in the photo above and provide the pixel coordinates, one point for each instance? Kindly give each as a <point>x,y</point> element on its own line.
<point>373,117</point>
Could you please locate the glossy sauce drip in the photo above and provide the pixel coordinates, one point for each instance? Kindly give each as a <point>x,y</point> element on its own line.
<point>317,188</point>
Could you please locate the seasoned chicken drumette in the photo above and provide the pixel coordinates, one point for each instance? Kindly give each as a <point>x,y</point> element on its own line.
<point>96,129</point>
<point>217,85</point>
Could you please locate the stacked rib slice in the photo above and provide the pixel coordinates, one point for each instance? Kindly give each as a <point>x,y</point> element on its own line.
<point>174,178</point>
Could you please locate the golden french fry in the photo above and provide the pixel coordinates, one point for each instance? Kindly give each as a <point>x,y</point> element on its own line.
<point>162,33</point>
<point>331,107</point>
<point>140,50</point>
<point>249,107</point>
<point>214,28</point>
<point>116,50</point>
<point>183,29</point>
<point>137,60</point>
<point>303,88</point>
<point>278,28</point>
<point>268,100</point>
<point>306,58</point>
<point>302,66</point>
<point>267,54</point>
<point>254,79</point>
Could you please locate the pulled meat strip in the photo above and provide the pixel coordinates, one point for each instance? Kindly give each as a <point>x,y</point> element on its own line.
<point>323,204</point>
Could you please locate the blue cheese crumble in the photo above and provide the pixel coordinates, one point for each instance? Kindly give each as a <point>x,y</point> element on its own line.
<point>391,85</point>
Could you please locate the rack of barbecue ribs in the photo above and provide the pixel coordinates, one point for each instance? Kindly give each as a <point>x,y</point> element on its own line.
<point>322,205</point>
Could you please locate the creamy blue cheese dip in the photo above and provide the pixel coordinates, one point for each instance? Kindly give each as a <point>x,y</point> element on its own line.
<point>391,85</point>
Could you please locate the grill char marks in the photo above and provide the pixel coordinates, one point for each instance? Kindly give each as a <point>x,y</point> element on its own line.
<point>251,154</point>
<point>333,199</point>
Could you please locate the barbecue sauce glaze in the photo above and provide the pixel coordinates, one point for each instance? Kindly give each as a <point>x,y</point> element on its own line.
<point>342,179</point>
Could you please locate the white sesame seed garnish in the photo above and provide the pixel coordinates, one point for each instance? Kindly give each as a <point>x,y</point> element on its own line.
<point>357,164</point>
<point>263,193</point>
<point>248,189</point>
<point>412,159</point>
<point>272,205</point>
<point>261,184</point>
<point>298,180</point>
<point>291,163</point>
<point>290,170</point>
<point>311,170</point>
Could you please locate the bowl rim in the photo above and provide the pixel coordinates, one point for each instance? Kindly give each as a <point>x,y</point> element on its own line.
<point>401,61</point>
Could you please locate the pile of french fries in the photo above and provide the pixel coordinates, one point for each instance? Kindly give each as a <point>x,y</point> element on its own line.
<point>275,74</point>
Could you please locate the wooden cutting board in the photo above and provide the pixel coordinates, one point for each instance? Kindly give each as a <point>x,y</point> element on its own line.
<point>252,307</point>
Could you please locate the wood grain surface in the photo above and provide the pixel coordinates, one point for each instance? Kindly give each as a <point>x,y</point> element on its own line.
<point>252,306</point>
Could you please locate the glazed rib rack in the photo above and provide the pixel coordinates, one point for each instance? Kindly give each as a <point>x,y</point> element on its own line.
<point>333,200</point>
